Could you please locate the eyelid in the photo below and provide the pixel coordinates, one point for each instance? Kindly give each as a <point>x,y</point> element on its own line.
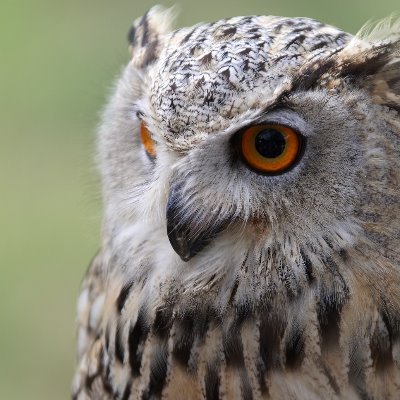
<point>289,118</point>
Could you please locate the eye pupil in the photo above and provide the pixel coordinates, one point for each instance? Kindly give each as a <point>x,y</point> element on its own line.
<point>270,143</point>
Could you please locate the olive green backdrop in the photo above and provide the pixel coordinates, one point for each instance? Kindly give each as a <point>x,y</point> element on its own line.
<point>58,60</point>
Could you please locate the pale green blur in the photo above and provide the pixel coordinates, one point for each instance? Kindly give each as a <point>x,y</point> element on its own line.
<point>57,64</point>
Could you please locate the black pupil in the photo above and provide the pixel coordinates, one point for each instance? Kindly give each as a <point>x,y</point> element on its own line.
<point>270,143</point>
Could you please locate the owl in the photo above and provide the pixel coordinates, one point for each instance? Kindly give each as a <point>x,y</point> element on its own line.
<point>251,235</point>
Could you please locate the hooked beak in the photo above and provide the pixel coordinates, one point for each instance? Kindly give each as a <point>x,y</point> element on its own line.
<point>190,228</point>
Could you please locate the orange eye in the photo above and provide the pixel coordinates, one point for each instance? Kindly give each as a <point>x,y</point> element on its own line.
<point>270,149</point>
<point>147,141</point>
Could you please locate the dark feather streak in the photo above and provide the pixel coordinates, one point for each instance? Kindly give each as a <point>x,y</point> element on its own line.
<point>158,372</point>
<point>123,295</point>
<point>295,349</point>
<point>136,339</point>
<point>212,382</point>
<point>119,348</point>
<point>184,338</point>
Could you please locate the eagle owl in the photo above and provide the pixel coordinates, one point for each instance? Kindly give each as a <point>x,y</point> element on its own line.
<point>251,236</point>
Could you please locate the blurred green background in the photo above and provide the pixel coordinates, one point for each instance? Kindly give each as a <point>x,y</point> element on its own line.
<point>57,64</point>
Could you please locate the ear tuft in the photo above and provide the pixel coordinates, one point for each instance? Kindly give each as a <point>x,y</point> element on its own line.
<point>384,85</point>
<point>146,34</point>
<point>372,59</point>
<point>387,30</point>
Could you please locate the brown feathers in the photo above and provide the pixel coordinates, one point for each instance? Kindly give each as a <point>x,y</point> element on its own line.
<point>218,282</point>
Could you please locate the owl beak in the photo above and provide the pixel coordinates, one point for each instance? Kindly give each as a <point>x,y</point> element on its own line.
<point>186,236</point>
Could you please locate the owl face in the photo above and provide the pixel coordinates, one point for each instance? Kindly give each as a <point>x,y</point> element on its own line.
<point>256,133</point>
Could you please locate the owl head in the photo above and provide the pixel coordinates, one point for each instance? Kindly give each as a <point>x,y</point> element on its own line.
<point>264,148</point>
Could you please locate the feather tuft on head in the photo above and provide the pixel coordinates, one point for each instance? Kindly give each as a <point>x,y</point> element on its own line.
<point>145,35</point>
<point>386,30</point>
